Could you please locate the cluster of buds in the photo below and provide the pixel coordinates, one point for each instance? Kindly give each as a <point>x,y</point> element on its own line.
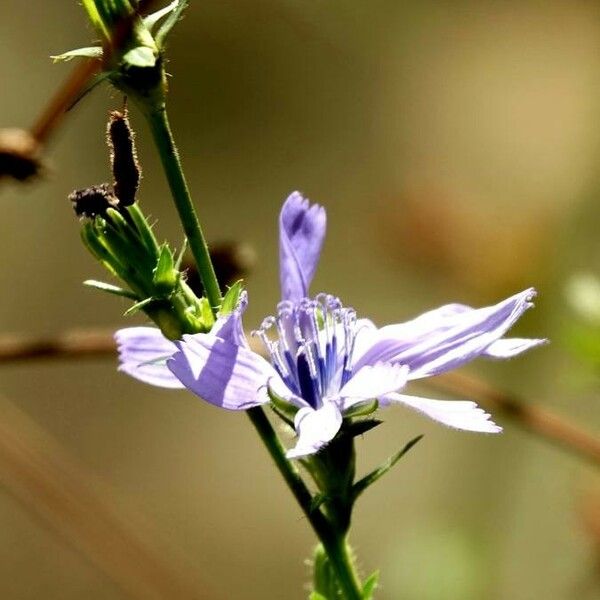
<point>118,234</point>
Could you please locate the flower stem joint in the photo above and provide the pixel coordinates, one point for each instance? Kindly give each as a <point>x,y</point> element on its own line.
<point>131,46</point>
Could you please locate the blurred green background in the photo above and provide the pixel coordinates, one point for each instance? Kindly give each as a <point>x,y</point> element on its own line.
<point>456,147</point>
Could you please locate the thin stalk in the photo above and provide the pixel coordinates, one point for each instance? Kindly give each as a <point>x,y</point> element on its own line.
<point>333,542</point>
<point>169,156</point>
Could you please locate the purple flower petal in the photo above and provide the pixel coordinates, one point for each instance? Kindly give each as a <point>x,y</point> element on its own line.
<point>509,347</point>
<point>143,352</point>
<point>301,236</point>
<point>315,429</point>
<point>373,382</point>
<point>455,335</point>
<point>459,414</point>
<point>221,372</point>
<point>230,327</point>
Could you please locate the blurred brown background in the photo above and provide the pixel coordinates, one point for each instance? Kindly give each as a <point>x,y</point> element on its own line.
<point>456,147</point>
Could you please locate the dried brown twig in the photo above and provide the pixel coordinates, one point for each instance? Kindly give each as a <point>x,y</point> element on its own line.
<point>541,422</point>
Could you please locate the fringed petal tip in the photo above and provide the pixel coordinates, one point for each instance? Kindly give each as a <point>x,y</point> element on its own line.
<point>297,202</point>
<point>457,414</point>
<point>302,228</point>
<point>510,347</point>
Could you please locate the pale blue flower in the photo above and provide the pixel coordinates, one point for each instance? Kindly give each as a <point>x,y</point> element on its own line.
<point>322,360</point>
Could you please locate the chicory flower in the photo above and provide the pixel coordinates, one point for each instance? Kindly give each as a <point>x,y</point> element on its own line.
<point>322,360</point>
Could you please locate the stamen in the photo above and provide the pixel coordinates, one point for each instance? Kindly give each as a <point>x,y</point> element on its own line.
<point>349,338</point>
<point>261,333</point>
<point>283,370</point>
<point>304,350</point>
<point>308,384</point>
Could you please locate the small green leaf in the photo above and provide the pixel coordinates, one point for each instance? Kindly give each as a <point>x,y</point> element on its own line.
<point>141,57</point>
<point>139,306</point>
<point>111,289</point>
<point>181,254</point>
<point>170,22</point>
<point>231,298</point>
<point>316,596</point>
<point>90,52</point>
<point>362,409</point>
<point>164,275</point>
<point>370,586</point>
<point>360,486</point>
<point>283,408</point>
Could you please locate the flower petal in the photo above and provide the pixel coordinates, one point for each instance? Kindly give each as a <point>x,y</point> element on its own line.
<point>373,382</point>
<point>143,352</point>
<point>509,347</point>
<point>455,336</point>
<point>315,429</point>
<point>460,414</point>
<point>221,372</point>
<point>301,236</point>
<point>230,326</point>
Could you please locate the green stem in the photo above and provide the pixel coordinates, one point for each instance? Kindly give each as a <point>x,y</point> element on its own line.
<point>334,542</point>
<point>163,138</point>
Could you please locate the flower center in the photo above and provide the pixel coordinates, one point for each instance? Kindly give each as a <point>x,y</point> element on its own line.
<point>310,344</point>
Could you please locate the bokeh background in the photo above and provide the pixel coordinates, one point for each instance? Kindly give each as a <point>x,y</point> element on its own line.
<point>456,147</point>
